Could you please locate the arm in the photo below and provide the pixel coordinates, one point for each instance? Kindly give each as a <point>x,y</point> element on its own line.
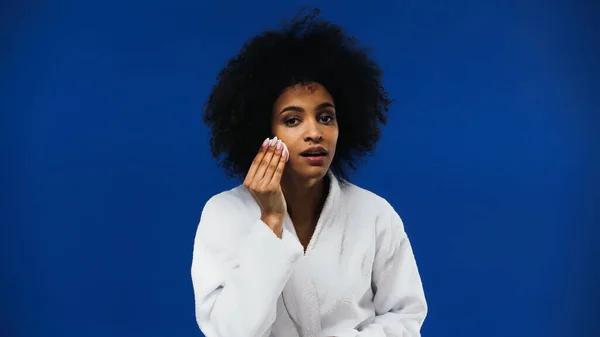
<point>399,300</point>
<point>239,269</point>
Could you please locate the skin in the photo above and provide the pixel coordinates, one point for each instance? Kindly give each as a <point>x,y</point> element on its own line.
<point>303,116</point>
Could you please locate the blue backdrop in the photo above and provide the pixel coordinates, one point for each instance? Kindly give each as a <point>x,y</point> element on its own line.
<point>490,157</point>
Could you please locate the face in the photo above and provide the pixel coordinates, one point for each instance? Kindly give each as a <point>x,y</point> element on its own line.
<point>304,119</point>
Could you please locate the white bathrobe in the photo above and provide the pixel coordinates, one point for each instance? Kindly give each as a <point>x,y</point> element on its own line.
<point>358,276</point>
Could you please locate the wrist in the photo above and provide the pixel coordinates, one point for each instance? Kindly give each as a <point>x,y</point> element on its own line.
<point>274,221</point>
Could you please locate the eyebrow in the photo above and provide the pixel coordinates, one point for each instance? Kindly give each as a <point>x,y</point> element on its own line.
<point>299,109</point>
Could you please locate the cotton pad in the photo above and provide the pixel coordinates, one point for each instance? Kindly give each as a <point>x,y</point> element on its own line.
<point>285,152</point>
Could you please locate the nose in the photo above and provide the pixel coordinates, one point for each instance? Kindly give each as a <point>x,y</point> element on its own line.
<point>313,132</point>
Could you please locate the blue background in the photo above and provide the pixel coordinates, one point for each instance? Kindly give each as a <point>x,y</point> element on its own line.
<point>491,158</point>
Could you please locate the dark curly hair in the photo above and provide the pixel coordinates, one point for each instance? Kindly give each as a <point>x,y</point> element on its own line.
<point>238,111</point>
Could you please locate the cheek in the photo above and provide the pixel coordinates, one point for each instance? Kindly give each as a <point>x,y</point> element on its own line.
<point>334,136</point>
<point>280,132</point>
<point>285,135</point>
<point>275,128</point>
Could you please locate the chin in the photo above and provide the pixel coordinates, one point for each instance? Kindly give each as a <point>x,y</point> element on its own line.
<point>314,172</point>
<point>310,172</point>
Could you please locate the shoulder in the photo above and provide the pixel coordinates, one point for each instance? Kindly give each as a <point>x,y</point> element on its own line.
<point>362,200</point>
<point>235,198</point>
<point>227,214</point>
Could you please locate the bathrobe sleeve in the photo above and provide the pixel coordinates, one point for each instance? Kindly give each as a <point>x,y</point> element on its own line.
<point>399,300</point>
<point>239,269</point>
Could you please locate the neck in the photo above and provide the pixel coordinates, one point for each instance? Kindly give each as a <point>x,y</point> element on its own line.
<point>304,200</point>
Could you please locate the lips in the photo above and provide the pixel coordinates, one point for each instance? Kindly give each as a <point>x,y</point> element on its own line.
<point>314,154</point>
<point>315,151</point>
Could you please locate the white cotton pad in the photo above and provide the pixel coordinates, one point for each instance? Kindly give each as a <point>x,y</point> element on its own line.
<point>286,152</point>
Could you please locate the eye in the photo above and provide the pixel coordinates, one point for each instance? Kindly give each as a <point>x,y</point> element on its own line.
<point>292,121</point>
<point>326,119</point>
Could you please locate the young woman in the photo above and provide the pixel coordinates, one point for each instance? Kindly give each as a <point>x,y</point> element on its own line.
<point>298,250</point>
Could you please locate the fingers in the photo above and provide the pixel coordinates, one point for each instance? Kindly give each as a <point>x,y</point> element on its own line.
<point>270,155</point>
<point>276,179</point>
<point>256,162</point>
<point>273,167</point>
<point>267,166</point>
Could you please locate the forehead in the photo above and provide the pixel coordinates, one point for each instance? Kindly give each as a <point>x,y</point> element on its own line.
<point>304,94</point>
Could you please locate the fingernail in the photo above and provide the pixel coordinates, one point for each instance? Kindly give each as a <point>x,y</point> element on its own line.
<point>279,145</point>
<point>273,142</point>
<point>265,143</point>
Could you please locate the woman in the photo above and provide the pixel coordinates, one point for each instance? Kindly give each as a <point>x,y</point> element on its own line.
<point>297,250</point>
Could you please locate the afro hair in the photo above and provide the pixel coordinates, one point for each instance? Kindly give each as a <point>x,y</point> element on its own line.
<point>307,49</point>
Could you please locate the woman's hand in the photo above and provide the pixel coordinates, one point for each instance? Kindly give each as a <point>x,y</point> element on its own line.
<point>263,182</point>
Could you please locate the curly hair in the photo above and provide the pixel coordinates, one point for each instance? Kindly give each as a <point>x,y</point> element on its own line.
<point>238,111</point>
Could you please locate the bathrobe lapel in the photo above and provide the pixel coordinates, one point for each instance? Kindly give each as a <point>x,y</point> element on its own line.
<point>300,296</point>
